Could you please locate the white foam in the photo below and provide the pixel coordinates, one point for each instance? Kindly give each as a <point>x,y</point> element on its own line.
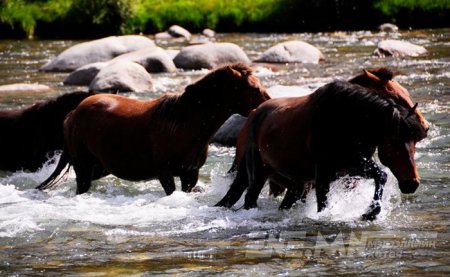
<point>278,91</point>
<point>121,208</point>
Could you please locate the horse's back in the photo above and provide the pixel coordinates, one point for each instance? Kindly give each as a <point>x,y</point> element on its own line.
<point>279,127</point>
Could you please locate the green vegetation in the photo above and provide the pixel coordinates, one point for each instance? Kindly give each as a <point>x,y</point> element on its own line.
<point>392,7</point>
<point>86,18</point>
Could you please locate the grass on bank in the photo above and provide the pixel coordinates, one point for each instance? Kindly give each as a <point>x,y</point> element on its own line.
<point>131,16</point>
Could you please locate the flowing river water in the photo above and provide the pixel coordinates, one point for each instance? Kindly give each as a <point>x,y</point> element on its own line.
<point>132,228</point>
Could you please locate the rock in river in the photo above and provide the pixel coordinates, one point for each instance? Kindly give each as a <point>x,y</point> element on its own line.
<point>292,52</point>
<point>398,48</point>
<point>122,76</point>
<point>210,55</point>
<point>96,51</point>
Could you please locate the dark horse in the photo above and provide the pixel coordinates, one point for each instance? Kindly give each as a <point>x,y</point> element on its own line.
<point>335,130</point>
<point>161,138</point>
<point>30,135</point>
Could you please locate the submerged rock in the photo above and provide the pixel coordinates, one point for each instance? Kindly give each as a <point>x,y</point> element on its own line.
<point>210,55</point>
<point>292,52</point>
<point>229,131</point>
<point>122,76</point>
<point>99,50</point>
<point>398,48</point>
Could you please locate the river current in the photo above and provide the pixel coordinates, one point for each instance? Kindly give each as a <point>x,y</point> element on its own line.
<point>132,228</point>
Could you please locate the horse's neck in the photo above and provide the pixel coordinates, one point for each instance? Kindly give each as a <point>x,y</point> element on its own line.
<point>204,117</point>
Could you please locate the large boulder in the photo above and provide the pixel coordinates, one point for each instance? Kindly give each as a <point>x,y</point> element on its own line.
<point>229,131</point>
<point>398,48</point>
<point>292,52</point>
<point>122,76</point>
<point>178,31</point>
<point>96,51</point>
<point>84,75</point>
<point>210,55</point>
<point>153,59</point>
<point>22,87</point>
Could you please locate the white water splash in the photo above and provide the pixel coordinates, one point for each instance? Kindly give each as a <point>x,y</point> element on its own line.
<point>119,207</point>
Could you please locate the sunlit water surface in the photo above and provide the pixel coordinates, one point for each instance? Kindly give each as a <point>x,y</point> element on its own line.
<point>132,228</point>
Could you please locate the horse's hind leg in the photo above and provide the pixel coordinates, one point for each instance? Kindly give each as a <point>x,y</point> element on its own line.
<point>87,169</point>
<point>83,171</point>
<point>236,190</point>
<point>257,179</point>
<point>291,196</point>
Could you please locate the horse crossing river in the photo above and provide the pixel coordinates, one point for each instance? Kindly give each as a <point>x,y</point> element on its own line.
<point>123,227</point>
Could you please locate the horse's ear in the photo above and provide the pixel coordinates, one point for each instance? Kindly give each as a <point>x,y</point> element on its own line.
<point>412,110</point>
<point>233,71</point>
<point>371,76</point>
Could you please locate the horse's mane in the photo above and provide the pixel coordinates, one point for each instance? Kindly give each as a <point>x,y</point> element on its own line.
<point>342,99</point>
<point>174,106</point>
<point>63,103</point>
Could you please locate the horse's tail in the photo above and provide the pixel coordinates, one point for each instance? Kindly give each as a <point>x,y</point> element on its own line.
<point>53,180</point>
<point>252,159</point>
<point>246,165</point>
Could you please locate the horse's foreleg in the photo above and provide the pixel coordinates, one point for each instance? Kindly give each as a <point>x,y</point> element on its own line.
<point>168,183</point>
<point>189,180</point>
<point>371,169</point>
<point>322,186</point>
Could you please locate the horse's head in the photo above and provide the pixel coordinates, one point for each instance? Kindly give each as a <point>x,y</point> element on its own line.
<point>233,87</point>
<point>398,147</point>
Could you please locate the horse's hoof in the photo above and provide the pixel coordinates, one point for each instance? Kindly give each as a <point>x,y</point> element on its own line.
<point>250,206</point>
<point>198,189</point>
<point>223,203</point>
<point>371,214</point>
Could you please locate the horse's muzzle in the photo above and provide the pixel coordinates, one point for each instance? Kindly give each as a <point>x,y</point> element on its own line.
<point>409,186</point>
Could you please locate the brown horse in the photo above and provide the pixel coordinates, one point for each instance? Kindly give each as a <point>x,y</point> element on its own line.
<point>292,141</point>
<point>162,138</point>
<point>30,135</point>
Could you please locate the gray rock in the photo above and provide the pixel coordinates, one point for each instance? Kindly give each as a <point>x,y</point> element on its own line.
<point>210,55</point>
<point>96,51</point>
<point>208,33</point>
<point>84,75</point>
<point>229,131</point>
<point>153,59</point>
<point>20,87</point>
<point>178,31</point>
<point>388,27</point>
<point>122,76</point>
<point>398,48</point>
<point>292,52</point>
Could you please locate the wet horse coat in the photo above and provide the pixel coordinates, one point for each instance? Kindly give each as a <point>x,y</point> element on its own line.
<point>161,138</point>
<point>30,135</point>
<point>291,141</point>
